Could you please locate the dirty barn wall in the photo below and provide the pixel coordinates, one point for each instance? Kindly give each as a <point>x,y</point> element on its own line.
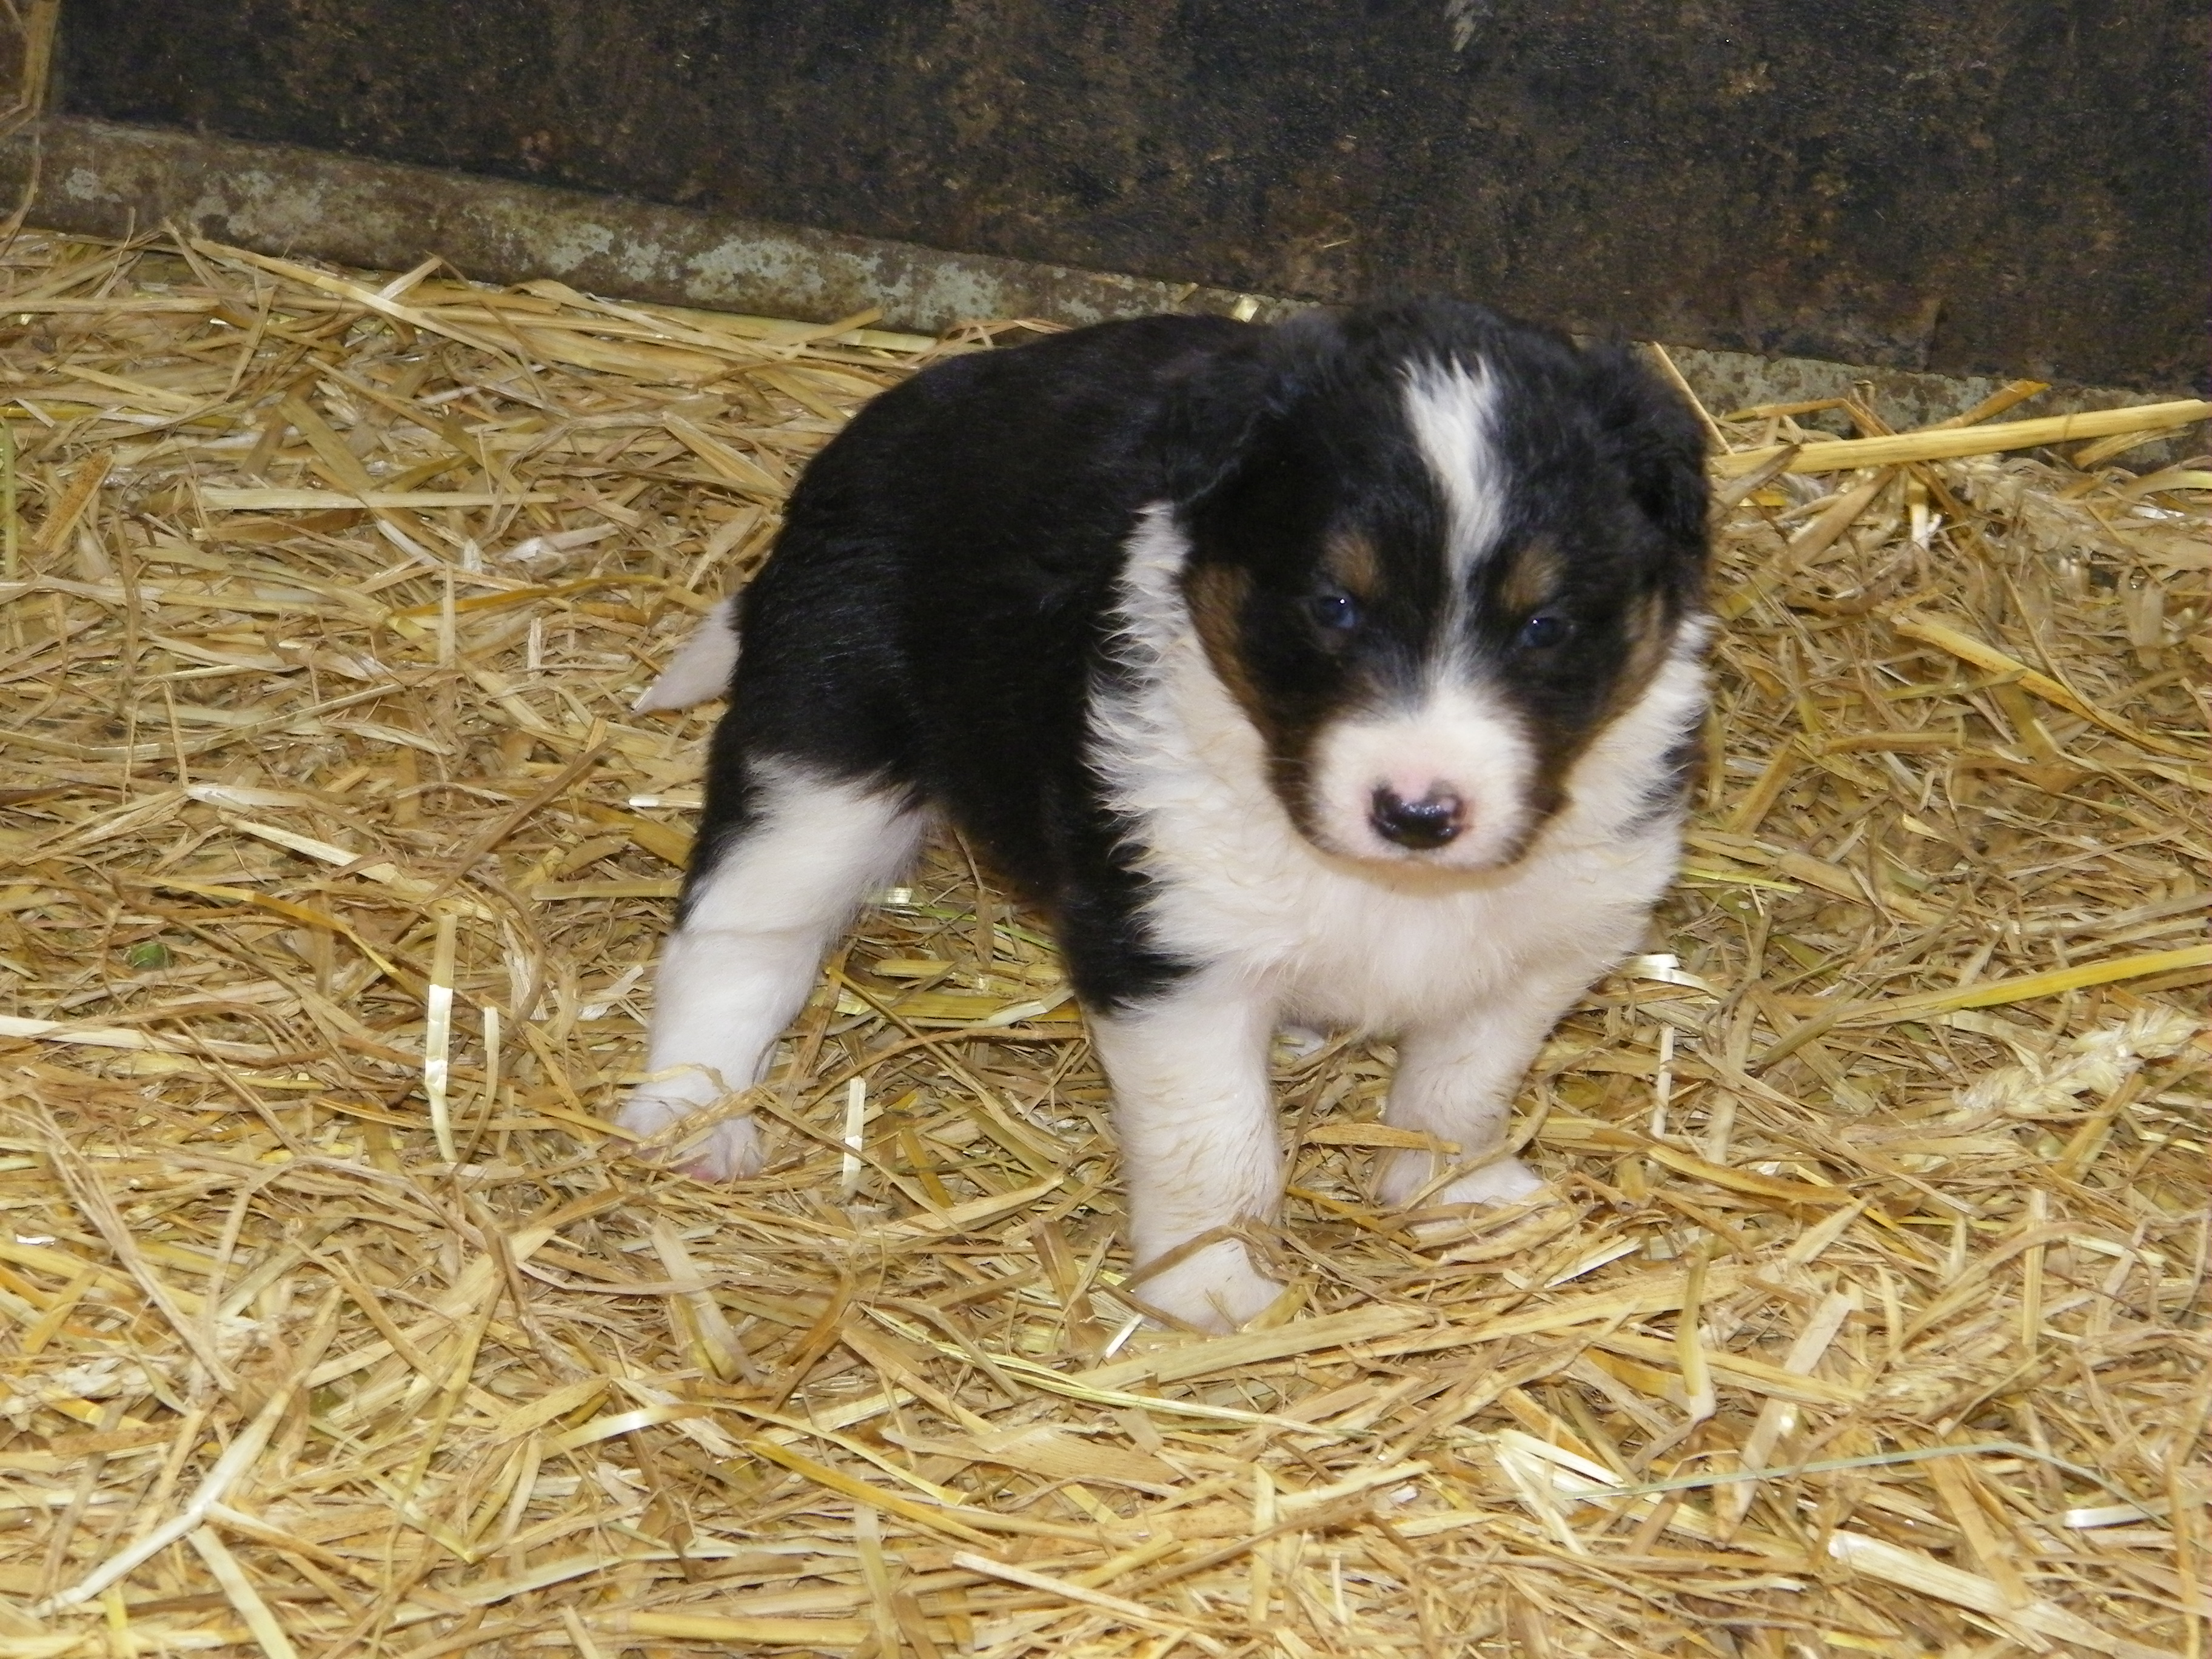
<point>1979,187</point>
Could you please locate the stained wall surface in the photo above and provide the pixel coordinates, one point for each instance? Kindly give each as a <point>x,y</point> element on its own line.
<point>1982,186</point>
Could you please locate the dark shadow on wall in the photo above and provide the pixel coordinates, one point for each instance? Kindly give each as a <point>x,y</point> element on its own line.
<point>1977,188</point>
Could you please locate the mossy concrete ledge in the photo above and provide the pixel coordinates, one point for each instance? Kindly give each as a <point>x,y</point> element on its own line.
<point>102,178</point>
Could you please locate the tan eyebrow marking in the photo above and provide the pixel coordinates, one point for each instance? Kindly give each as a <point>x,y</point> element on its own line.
<point>1532,576</point>
<point>1350,556</point>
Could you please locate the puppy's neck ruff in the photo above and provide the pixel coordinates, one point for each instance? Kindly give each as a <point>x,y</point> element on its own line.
<point>1362,942</point>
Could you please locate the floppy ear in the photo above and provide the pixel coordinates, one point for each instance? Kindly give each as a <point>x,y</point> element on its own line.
<point>1657,438</point>
<point>1213,413</point>
<point>1218,409</point>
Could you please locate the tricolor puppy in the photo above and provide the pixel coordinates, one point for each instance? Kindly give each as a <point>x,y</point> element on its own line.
<point>1343,671</point>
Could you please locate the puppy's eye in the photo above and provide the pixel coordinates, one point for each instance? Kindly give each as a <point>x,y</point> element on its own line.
<point>1544,630</point>
<point>1338,612</point>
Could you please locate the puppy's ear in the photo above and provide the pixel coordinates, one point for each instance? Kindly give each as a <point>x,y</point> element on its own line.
<point>1657,438</point>
<point>1219,411</point>
<point>1213,414</point>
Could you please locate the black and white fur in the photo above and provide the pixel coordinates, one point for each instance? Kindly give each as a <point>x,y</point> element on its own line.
<point>1342,672</point>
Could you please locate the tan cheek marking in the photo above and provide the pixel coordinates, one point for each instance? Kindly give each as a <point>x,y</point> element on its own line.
<point>1216,595</point>
<point>1647,649</point>
<point>1646,643</point>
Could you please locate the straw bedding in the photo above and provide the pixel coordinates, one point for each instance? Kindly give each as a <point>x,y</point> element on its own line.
<point>335,1317</point>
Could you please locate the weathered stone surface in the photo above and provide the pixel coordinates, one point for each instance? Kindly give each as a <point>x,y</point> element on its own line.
<point>102,178</point>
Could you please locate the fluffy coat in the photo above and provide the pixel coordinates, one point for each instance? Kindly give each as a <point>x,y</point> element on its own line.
<point>1343,671</point>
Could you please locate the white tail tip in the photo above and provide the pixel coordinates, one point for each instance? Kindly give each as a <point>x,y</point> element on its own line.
<point>700,669</point>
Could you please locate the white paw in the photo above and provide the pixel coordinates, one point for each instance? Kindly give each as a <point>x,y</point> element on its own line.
<point>1402,1175</point>
<point>1215,1289</point>
<point>720,1152</point>
<point>1506,1181</point>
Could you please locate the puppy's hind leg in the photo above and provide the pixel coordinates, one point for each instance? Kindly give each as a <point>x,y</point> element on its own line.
<point>773,888</point>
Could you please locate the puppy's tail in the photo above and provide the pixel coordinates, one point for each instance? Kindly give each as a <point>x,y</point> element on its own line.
<point>701,666</point>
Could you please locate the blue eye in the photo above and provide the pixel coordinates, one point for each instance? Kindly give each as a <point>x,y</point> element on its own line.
<point>1336,612</point>
<point>1544,630</point>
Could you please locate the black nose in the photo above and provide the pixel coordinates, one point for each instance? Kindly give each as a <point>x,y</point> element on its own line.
<point>1420,824</point>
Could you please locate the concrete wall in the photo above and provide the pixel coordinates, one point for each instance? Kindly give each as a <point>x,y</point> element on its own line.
<point>1980,186</point>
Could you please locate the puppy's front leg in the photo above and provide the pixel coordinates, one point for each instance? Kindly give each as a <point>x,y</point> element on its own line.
<point>1198,1149</point>
<point>1456,1079</point>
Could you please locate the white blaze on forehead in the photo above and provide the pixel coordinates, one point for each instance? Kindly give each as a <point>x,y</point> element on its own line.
<point>1459,739</point>
<point>1449,406</point>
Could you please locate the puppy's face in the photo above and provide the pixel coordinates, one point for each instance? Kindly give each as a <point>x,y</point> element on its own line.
<point>1441,557</point>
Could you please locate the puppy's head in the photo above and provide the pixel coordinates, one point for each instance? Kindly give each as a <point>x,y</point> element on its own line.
<point>1434,552</point>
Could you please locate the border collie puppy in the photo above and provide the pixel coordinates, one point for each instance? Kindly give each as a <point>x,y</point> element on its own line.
<point>1344,671</point>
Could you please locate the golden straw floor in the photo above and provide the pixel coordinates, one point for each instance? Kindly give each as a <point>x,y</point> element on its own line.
<point>1867,1317</point>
